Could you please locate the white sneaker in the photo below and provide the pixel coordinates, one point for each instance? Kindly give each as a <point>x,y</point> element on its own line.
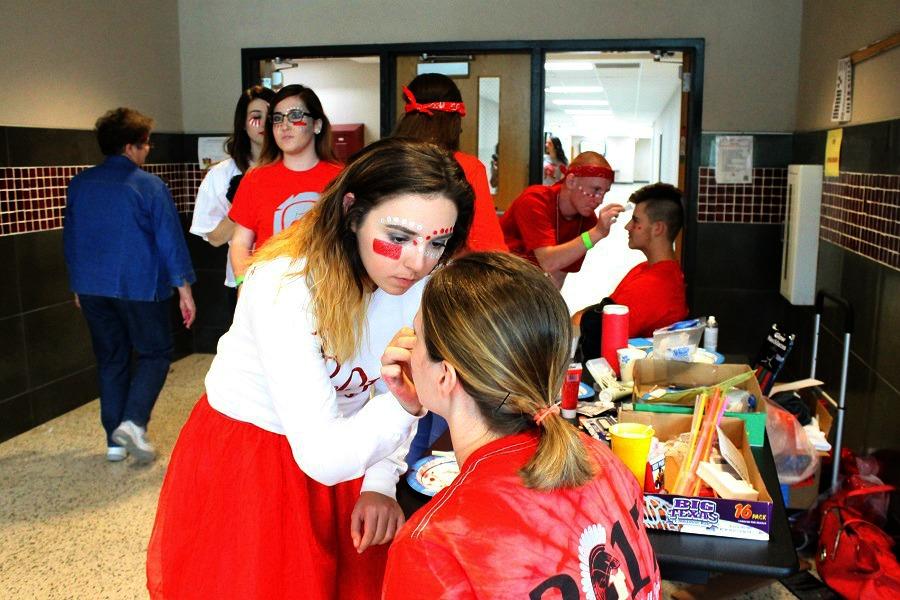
<point>116,453</point>
<point>134,438</point>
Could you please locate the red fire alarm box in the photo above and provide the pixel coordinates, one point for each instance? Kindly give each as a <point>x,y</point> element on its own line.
<point>347,140</point>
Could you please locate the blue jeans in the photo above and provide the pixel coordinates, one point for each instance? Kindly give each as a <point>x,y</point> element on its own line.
<point>118,328</point>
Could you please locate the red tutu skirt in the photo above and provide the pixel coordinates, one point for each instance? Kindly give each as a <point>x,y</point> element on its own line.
<point>237,518</point>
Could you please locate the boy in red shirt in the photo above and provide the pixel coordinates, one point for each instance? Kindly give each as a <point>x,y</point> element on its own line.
<point>654,290</point>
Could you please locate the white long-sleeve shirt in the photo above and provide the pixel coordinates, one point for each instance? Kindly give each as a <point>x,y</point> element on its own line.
<point>270,371</point>
<point>212,206</point>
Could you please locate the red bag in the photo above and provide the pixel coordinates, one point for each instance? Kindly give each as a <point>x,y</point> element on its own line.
<point>855,557</point>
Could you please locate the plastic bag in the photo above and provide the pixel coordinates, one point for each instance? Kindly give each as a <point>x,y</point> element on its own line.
<point>795,457</point>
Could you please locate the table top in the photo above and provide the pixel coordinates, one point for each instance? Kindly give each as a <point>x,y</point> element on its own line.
<point>689,557</point>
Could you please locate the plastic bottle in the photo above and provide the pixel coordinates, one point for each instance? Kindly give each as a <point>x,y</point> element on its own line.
<point>711,334</point>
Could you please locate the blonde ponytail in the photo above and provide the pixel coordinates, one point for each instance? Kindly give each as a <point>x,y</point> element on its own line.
<point>504,327</point>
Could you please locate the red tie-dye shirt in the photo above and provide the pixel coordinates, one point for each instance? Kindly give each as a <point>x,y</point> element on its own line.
<point>488,536</point>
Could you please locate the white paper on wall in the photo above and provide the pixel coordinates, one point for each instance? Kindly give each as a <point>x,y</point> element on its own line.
<point>210,150</point>
<point>734,159</point>
<point>842,109</point>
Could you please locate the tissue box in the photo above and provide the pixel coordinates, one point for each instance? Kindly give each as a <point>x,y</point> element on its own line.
<point>705,516</point>
<point>650,373</point>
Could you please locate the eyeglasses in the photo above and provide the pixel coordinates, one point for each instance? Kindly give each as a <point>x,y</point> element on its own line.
<point>293,116</point>
<point>149,145</point>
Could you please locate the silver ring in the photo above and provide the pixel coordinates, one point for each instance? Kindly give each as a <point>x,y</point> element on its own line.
<point>614,219</point>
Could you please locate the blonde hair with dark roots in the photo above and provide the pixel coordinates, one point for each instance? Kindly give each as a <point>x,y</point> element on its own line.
<point>325,237</point>
<point>504,327</point>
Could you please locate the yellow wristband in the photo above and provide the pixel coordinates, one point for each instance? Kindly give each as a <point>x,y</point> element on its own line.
<point>586,238</point>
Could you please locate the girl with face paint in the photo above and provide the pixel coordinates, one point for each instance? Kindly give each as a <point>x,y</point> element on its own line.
<point>282,481</point>
<point>296,163</point>
<point>210,220</point>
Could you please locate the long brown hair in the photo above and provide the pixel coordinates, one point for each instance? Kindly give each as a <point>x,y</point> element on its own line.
<point>325,237</point>
<point>504,327</point>
<point>238,144</point>
<point>441,128</point>
<point>271,152</point>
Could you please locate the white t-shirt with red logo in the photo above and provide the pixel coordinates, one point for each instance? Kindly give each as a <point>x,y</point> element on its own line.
<point>270,371</point>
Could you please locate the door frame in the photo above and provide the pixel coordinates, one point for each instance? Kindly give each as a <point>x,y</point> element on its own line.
<point>693,50</point>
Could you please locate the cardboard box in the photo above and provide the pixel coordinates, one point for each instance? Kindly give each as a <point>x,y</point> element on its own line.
<point>705,516</point>
<point>650,374</point>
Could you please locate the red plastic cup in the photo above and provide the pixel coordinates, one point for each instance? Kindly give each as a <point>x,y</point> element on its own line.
<point>569,402</point>
<point>615,334</point>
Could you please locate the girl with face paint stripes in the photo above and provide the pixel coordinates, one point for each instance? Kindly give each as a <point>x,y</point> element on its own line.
<point>210,219</point>
<point>282,481</point>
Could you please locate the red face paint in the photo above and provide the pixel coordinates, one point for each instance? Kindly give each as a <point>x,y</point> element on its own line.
<point>299,124</point>
<point>387,249</point>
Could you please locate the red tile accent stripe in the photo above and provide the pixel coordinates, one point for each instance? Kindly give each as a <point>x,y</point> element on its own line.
<point>762,201</point>
<point>33,198</point>
<point>861,213</point>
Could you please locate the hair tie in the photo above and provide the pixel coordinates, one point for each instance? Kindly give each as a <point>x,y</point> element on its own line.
<point>590,171</point>
<point>450,107</point>
<point>542,414</point>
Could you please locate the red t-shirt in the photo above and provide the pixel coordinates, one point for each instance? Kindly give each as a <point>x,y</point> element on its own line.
<point>654,295</point>
<point>272,197</point>
<point>485,233</point>
<point>533,221</point>
<point>488,536</point>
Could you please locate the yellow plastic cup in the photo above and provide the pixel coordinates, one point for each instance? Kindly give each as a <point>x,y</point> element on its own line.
<point>631,443</point>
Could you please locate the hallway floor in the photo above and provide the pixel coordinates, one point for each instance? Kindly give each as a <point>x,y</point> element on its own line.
<point>73,525</point>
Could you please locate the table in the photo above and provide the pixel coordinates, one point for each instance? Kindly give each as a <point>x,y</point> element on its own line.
<point>692,558</point>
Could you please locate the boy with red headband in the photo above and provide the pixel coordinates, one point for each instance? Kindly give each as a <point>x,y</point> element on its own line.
<point>554,226</point>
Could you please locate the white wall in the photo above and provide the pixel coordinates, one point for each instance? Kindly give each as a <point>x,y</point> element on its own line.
<point>66,63</point>
<point>752,48</point>
<point>665,157</point>
<point>349,91</point>
<point>643,159</point>
<point>833,29</point>
<point>620,154</point>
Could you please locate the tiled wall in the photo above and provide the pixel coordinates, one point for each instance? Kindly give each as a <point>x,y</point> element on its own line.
<point>33,198</point>
<point>738,231</point>
<point>46,362</point>
<point>861,213</point>
<point>762,201</point>
<point>858,261</point>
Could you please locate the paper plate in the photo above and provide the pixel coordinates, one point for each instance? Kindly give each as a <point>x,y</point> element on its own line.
<point>585,391</point>
<point>431,474</point>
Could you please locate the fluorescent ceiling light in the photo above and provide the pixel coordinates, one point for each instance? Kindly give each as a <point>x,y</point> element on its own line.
<point>574,89</point>
<point>587,111</point>
<point>568,65</point>
<point>581,102</point>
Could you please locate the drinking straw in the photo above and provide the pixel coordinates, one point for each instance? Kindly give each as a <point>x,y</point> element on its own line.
<point>699,407</point>
<point>716,416</point>
<point>703,442</point>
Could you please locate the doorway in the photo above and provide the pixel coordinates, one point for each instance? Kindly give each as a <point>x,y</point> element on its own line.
<point>682,141</point>
<point>626,106</point>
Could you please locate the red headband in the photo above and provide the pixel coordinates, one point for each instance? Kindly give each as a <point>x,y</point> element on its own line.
<point>589,171</point>
<point>428,109</point>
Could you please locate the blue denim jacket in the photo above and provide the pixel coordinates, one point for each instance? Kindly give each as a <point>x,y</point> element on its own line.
<point>122,235</point>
